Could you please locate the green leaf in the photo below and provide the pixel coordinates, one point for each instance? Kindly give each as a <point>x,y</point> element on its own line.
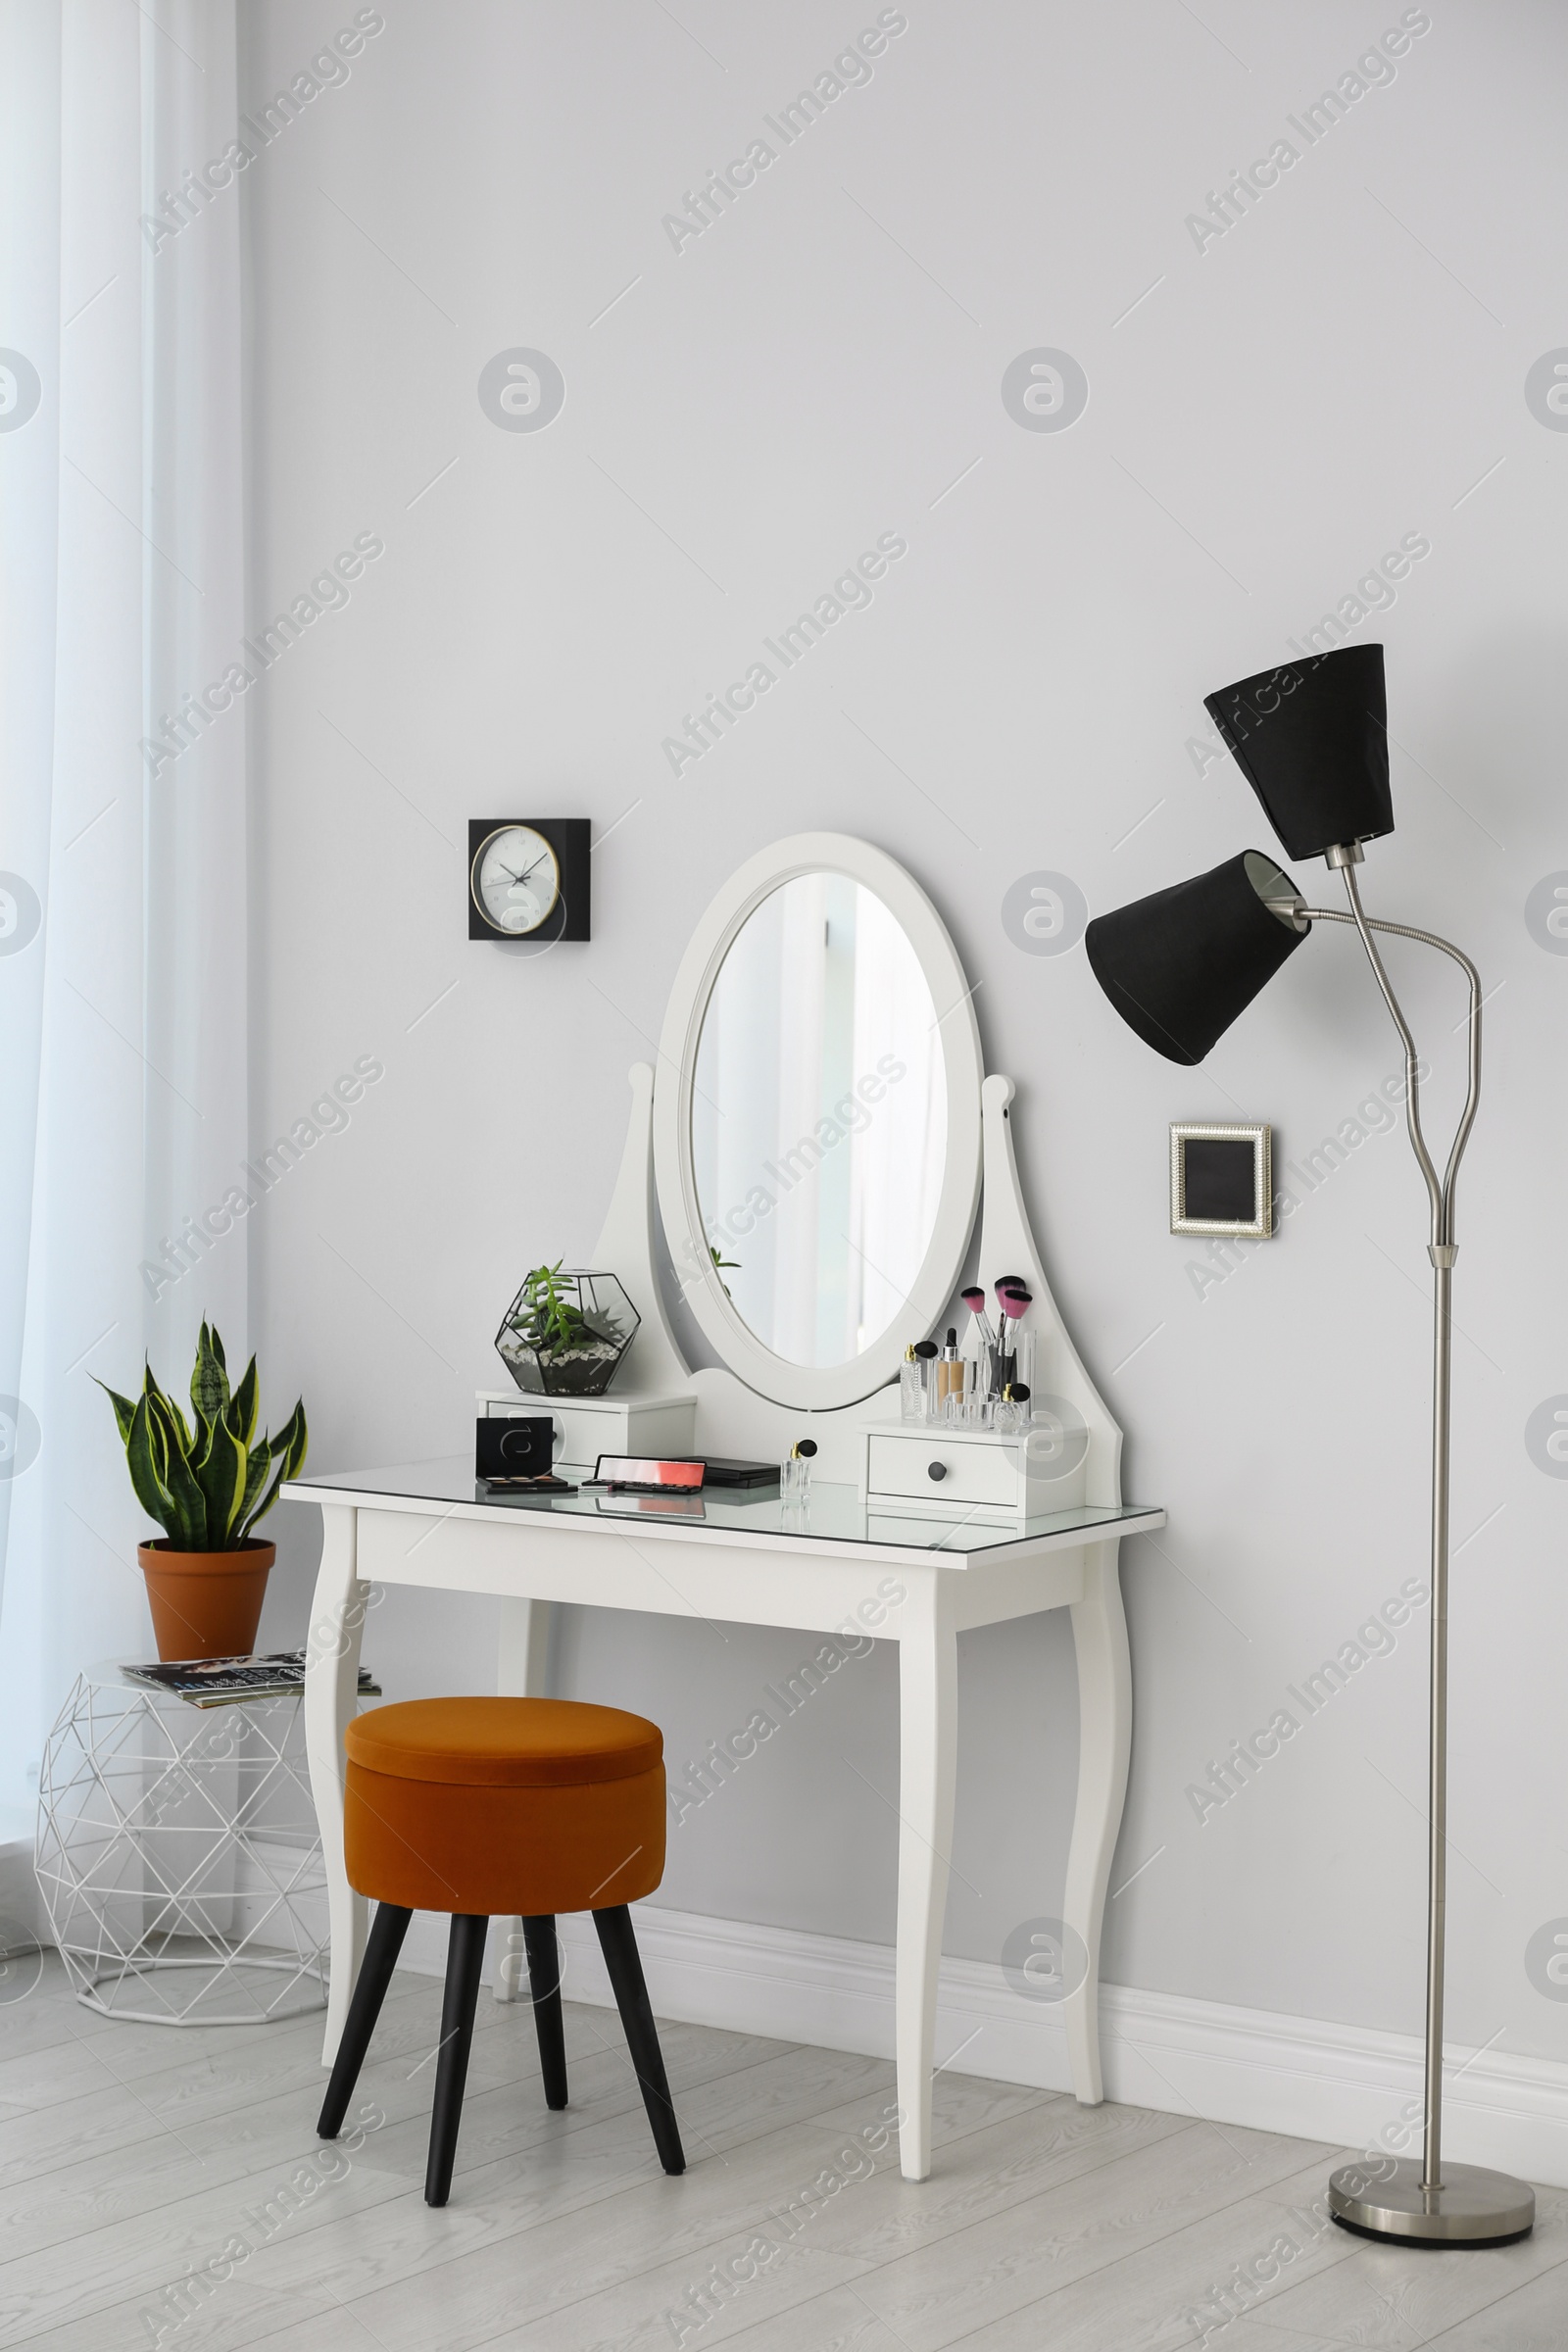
<point>190,1509</point>
<point>124,1410</point>
<point>220,1475</point>
<point>217,1350</point>
<point>158,1441</point>
<point>208,1382</point>
<point>288,1451</point>
<point>265,1505</point>
<point>170,1426</point>
<point>256,1467</point>
<point>242,1404</point>
<point>553,1321</point>
<point>190,1506</point>
<point>302,1442</point>
<point>291,1439</point>
<point>176,1418</point>
<point>141,1455</point>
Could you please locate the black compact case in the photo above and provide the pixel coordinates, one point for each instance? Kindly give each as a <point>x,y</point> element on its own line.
<point>515,1445</point>
<point>723,1470</point>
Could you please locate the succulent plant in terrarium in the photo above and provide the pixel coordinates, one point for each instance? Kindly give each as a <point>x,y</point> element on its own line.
<point>565,1333</point>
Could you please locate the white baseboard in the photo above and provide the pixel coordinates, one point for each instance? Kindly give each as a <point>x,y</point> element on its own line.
<point>1341,2083</point>
<point>21,1912</point>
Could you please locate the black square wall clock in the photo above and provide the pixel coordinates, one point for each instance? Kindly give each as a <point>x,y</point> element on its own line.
<point>528,877</point>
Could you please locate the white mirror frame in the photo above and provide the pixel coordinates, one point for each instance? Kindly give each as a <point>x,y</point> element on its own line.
<point>817,1388</point>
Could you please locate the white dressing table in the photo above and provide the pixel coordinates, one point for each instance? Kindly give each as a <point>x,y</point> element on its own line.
<point>903,1570</point>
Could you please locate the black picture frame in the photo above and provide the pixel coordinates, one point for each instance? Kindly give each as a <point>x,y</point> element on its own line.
<point>1222,1178</point>
<point>570,839</point>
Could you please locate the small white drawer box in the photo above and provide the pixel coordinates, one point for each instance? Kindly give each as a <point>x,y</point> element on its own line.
<point>912,1467</point>
<point>590,1426</point>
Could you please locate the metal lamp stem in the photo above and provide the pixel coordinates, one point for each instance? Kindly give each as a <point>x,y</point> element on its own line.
<point>1443,1250</point>
<point>1438,1794</point>
<point>1470,2206</point>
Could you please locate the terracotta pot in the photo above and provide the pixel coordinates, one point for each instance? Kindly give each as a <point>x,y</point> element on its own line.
<point>206,1604</point>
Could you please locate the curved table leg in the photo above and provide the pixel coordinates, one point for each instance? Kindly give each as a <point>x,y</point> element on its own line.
<point>1104,1746</point>
<point>928,1722</point>
<point>331,1694</point>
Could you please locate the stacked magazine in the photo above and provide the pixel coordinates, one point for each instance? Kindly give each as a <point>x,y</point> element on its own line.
<point>223,1682</point>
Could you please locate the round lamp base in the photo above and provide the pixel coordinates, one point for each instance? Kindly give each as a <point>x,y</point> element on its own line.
<point>1472,2208</point>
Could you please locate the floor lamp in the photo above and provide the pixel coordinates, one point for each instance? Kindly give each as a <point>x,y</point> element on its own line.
<point>1311,739</point>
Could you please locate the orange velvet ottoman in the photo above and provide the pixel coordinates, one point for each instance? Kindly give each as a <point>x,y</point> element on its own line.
<point>502,1807</point>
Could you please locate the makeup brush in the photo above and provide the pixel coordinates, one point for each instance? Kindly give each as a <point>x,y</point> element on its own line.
<point>975,1301</point>
<point>1013,1303</point>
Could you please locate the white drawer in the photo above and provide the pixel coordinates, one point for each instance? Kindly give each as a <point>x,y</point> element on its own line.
<point>588,1426</point>
<point>985,1472</point>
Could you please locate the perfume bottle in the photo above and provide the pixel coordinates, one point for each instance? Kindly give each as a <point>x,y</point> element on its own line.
<point>794,1472</point>
<point>914,1401</point>
<point>1012,1410</point>
<point>926,1351</point>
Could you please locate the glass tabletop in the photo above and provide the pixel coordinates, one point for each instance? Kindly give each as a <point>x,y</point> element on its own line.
<point>834,1514</point>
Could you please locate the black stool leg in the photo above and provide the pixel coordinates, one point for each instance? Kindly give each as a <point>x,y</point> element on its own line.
<point>465,1959</point>
<point>387,1932</point>
<point>619,1944</point>
<point>544,1982</point>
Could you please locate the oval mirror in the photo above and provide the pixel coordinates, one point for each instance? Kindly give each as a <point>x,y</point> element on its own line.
<point>819,1153</point>
<point>819,1119</point>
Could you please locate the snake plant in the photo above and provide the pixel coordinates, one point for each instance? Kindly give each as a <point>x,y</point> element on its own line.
<point>203,1480</point>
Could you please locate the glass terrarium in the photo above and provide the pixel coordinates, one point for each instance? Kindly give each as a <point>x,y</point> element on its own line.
<point>565,1333</point>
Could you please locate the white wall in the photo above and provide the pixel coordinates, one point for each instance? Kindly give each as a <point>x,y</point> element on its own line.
<point>820,366</point>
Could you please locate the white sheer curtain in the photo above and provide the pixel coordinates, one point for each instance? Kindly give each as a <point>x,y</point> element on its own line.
<point>123,837</point>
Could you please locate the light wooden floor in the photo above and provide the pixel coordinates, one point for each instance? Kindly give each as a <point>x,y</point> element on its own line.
<point>132,2156</point>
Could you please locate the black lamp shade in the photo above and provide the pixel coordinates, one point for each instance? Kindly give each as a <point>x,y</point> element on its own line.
<point>1311,739</point>
<point>1179,966</point>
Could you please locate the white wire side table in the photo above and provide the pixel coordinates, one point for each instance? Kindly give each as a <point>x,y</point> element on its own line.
<point>178,1855</point>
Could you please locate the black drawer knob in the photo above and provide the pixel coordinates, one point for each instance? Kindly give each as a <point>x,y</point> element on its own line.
<point>938,1471</point>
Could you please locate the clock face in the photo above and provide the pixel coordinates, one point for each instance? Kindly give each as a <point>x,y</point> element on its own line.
<point>515,879</point>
